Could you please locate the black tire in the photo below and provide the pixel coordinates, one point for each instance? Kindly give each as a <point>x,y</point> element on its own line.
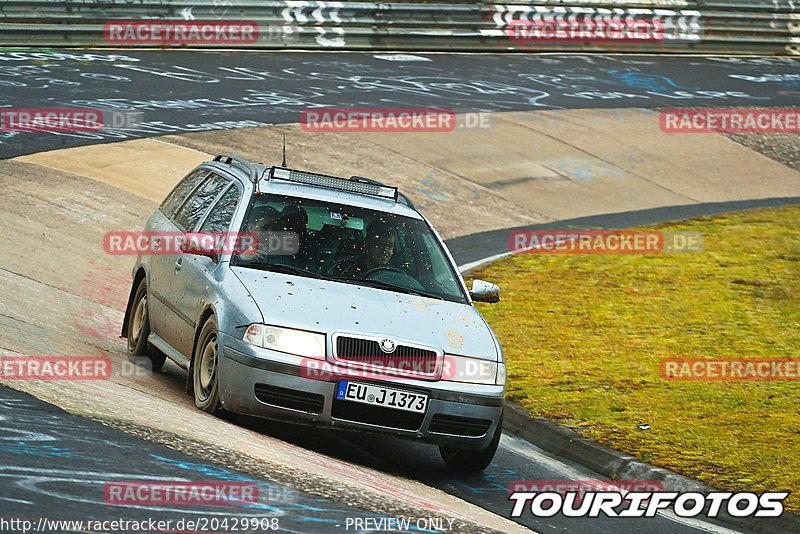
<point>139,330</point>
<point>472,460</point>
<point>205,376</point>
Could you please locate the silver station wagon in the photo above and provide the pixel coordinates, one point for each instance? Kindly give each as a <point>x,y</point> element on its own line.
<point>345,310</point>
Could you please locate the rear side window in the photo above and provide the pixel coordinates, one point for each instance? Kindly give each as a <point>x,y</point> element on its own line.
<point>181,191</point>
<point>219,219</point>
<point>198,202</point>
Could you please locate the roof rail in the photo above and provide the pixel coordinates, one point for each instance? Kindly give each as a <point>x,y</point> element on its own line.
<point>366,180</point>
<point>400,196</point>
<point>248,166</point>
<point>405,200</point>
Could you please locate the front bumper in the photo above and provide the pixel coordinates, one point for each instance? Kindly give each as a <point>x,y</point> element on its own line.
<point>264,383</point>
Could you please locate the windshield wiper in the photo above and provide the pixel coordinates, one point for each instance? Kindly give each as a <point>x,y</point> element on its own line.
<point>280,268</point>
<point>391,287</point>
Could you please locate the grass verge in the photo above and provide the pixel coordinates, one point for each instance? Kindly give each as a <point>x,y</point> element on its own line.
<point>584,336</point>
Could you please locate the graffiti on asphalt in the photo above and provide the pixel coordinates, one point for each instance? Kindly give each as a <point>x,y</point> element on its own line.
<point>47,455</point>
<point>222,91</point>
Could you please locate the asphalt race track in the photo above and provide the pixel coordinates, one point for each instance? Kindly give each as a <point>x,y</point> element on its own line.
<point>515,460</point>
<point>180,91</point>
<point>55,465</point>
<point>49,468</point>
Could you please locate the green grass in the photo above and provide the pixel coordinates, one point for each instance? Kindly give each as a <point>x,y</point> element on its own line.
<point>584,335</point>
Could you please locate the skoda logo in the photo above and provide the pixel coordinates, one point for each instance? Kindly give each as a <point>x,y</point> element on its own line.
<point>387,345</point>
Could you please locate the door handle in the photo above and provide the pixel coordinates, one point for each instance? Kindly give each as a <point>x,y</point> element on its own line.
<point>178,264</point>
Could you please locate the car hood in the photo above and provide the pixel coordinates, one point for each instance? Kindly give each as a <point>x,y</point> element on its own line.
<point>330,307</point>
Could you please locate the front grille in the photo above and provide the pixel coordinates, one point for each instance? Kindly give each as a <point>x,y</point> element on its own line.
<point>415,360</point>
<point>376,415</point>
<point>292,399</point>
<point>458,426</point>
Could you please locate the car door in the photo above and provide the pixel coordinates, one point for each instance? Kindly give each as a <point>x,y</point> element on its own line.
<point>160,265</point>
<point>177,324</point>
<point>196,275</point>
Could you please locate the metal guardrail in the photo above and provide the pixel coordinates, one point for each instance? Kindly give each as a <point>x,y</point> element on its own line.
<point>689,26</point>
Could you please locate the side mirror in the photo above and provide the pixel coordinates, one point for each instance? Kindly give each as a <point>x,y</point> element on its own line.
<point>483,291</point>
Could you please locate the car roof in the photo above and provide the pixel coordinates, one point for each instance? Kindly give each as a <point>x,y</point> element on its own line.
<point>260,175</point>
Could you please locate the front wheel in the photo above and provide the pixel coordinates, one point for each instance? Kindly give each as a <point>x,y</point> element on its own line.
<point>467,460</point>
<point>139,330</point>
<point>205,369</point>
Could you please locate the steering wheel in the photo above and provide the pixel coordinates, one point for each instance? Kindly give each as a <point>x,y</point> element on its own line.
<point>381,268</point>
<point>399,277</point>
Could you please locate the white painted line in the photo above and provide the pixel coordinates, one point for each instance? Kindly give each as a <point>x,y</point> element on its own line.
<point>480,263</point>
<point>178,146</point>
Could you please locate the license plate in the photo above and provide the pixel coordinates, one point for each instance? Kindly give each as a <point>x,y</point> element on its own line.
<point>381,396</point>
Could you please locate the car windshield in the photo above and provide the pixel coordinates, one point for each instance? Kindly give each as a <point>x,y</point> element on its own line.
<point>348,244</point>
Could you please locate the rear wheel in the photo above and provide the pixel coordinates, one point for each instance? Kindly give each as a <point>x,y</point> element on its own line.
<point>470,459</point>
<point>205,376</point>
<point>139,330</point>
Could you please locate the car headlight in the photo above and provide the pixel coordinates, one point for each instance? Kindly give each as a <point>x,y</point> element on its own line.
<point>288,340</point>
<point>473,370</point>
<point>502,373</point>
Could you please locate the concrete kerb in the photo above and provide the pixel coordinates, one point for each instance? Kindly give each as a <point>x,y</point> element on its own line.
<point>616,465</point>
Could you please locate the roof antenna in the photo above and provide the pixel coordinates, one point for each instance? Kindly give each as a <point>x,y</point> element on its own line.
<point>283,164</point>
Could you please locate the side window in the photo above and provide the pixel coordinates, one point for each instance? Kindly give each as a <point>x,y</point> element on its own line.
<point>219,219</point>
<point>178,195</point>
<point>199,201</point>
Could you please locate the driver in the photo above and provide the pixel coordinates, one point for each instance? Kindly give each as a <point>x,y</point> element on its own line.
<point>378,250</point>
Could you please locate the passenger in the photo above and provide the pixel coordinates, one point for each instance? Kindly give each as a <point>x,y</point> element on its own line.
<point>295,219</point>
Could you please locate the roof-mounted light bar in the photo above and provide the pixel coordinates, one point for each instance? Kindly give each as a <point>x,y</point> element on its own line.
<point>333,182</point>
